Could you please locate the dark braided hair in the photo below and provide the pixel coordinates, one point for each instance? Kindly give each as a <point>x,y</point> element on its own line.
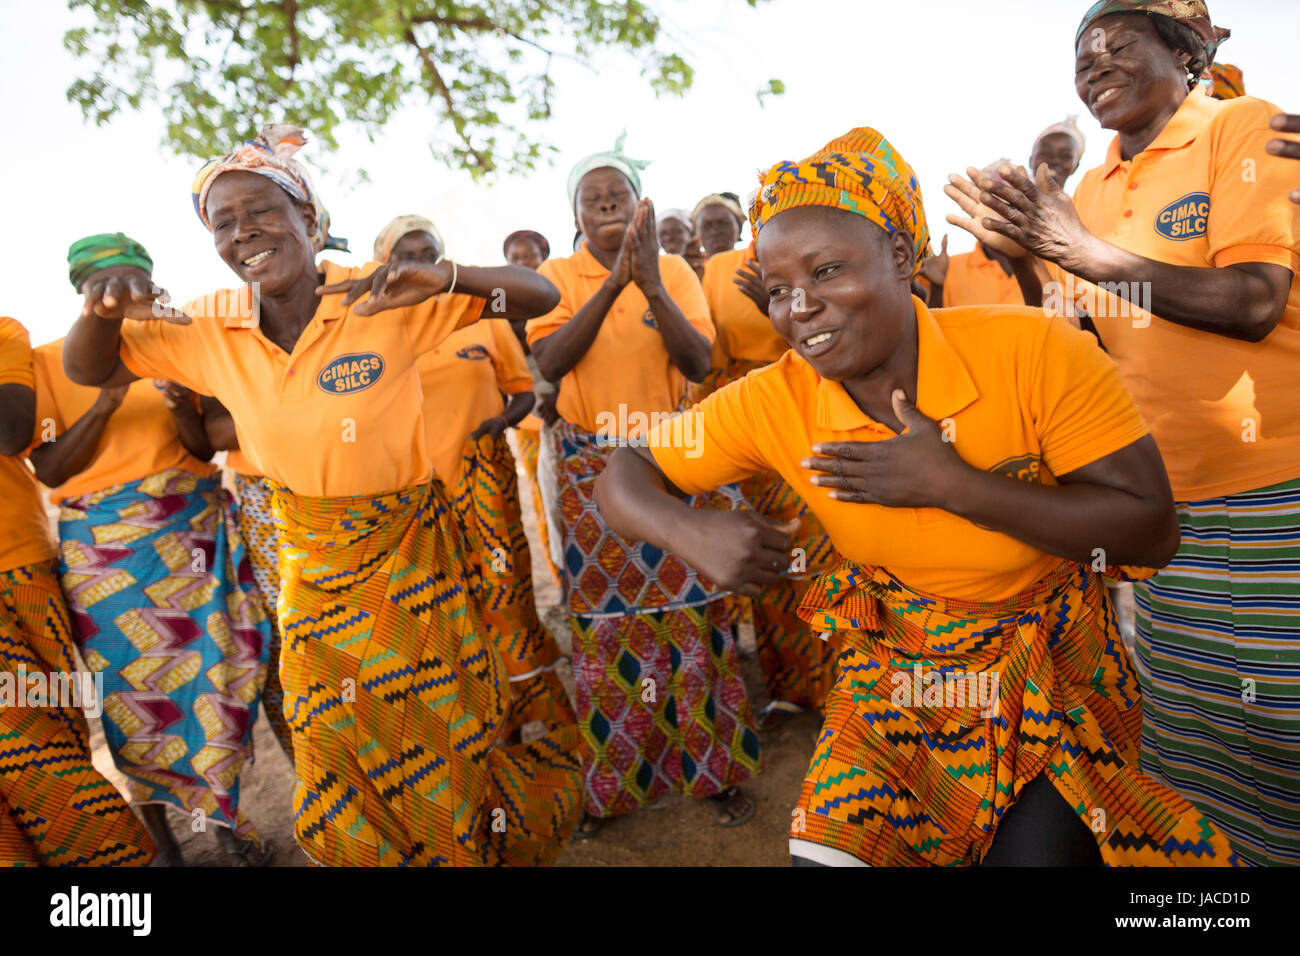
<point>1183,39</point>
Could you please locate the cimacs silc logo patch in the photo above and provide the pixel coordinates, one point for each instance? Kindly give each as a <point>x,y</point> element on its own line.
<point>1185,218</point>
<point>353,372</point>
<point>473,352</point>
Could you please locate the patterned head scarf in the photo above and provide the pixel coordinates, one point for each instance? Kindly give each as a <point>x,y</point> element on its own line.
<point>1226,80</point>
<point>612,159</point>
<point>681,215</point>
<point>728,201</point>
<point>536,237</point>
<point>323,240</point>
<point>1070,127</point>
<point>859,172</point>
<point>1190,13</point>
<point>269,155</point>
<point>395,230</point>
<point>87,256</point>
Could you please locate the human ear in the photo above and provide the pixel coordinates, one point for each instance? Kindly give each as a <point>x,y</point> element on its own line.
<point>903,255</point>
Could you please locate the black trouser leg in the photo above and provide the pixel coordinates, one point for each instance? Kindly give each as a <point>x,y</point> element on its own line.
<point>1042,830</point>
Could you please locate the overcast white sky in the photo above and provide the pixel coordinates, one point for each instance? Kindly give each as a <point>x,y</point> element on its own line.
<point>949,83</point>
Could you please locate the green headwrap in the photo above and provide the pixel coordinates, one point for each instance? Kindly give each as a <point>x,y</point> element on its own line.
<point>612,159</point>
<point>87,256</point>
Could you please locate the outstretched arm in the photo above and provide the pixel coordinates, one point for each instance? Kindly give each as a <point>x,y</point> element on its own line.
<point>67,455</point>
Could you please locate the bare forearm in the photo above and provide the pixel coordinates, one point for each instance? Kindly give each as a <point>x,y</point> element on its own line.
<point>518,407</point>
<point>220,430</point>
<point>91,353</point>
<point>17,418</point>
<point>636,502</point>
<point>687,349</point>
<point>563,349</point>
<point>69,454</point>
<point>1231,302</point>
<point>512,292</point>
<point>1070,521</point>
<point>1025,269</point>
<point>189,424</point>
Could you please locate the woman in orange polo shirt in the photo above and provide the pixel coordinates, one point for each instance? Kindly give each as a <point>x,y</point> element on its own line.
<point>798,666</point>
<point>1183,249</point>
<point>56,809</point>
<point>157,580</point>
<point>717,220</point>
<point>395,700</point>
<point>975,467</point>
<point>464,380</point>
<point>657,676</point>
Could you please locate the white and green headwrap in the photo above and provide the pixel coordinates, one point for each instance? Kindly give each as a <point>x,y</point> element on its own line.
<point>612,159</point>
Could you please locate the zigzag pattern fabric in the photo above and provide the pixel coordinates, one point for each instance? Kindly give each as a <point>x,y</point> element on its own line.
<point>657,678</point>
<point>262,537</point>
<point>396,697</point>
<point>164,605</point>
<point>486,503</point>
<point>56,809</point>
<point>922,753</point>
<point>1219,647</point>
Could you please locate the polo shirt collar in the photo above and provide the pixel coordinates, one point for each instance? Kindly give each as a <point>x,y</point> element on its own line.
<point>330,307</point>
<point>587,264</point>
<point>1189,121</point>
<point>943,383</point>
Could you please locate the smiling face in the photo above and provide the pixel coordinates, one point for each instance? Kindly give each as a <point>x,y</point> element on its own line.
<point>673,234</point>
<point>1125,73</point>
<point>840,287</point>
<point>416,247</point>
<point>260,231</point>
<point>1061,154</point>
<point>718,229</point>
<point>525,252</point>
<point>606,204</point>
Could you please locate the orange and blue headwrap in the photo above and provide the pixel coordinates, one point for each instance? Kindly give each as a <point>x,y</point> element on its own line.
<point>858,172</point>
<point>269,155</point>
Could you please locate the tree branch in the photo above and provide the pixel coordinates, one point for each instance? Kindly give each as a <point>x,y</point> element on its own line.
<point>291,26</point>
<point>457,121</point>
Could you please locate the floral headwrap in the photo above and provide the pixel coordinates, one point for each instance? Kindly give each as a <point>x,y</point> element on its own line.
<point>1226,81</point>
<point>1190,13</point>
<point>858,172</point>
<point>395,230</point>
<point>102,251</point>
<point>269,155</point>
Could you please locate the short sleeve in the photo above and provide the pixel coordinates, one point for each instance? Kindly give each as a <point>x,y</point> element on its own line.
<point>544,325</point>
<point>508,359</point>
<point>1251,219</point>
<point>47,364</point>
<point>432,320</point>
<point>1081,409</point>
<point>15,354</point>
<point>683,287</point>
<point>715,442</point>
<point>157,349</point>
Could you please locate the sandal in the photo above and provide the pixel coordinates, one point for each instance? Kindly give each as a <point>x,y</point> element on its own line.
<point>587,827</point>
<point>776,713</point>
<point>725,805</point>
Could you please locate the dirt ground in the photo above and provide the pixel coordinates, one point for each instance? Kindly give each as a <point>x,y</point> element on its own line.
<point>676,832</point>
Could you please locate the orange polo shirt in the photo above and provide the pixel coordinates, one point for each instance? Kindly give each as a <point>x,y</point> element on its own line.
<point>743,331</point>
<point>1028,396</point>
<point>463,379</point>
<point>239,463</point>
<point>626,373</point>
<point>342,414</point>
<point>975,279</point>
<point>140,439</point>
<point>26,538</point>
<point>1205,193</point>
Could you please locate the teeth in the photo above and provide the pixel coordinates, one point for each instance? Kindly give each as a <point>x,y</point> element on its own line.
<point>817,339</point>
<point>257,259</point>
<point>1106,95</point>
